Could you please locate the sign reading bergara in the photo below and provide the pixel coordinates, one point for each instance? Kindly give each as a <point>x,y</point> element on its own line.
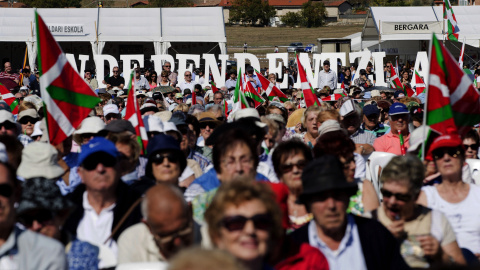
<point>66,29</point>
<point>389,28</point>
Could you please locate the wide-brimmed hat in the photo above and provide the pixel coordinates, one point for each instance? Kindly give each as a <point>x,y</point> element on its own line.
<point>28,112</point>
<point>153,123</point>
<point>89,125</point>
<point>39,160</point>
<point>164,115</point>
<point>324,173</point>
<point>209,117</point>
<point>249,113</point>
<point>417,137</point>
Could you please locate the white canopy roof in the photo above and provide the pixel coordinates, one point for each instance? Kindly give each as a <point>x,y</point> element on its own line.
<point>467,19</point>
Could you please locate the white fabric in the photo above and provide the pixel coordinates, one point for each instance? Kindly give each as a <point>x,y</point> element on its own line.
<point>361,166</point>
<point>136,244</point>
<point>32,54</point>
<point>96,228</point>
<point>190,85</point>
<point>463,216</point>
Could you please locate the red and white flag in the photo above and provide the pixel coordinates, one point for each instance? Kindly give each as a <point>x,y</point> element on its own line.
<point>419,84</point>
<point>462,53</point>
<point>307,89</point>
<point>333,97</point>
<point>133,114</point>
<point>270,88</point>
<point>9,98</point>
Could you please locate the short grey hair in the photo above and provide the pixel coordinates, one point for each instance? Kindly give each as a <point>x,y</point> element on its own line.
<point>405,169</point>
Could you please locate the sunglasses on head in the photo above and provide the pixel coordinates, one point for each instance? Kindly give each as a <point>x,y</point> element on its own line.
<point>159,158</point>
<point>472,146</point>
<point>399,196</point>
<point>6,190</point>
<point>237,223</point>
<point>440,153</point>
<point>27,119</point>
<point>91,162</point>
<point>286,168</point>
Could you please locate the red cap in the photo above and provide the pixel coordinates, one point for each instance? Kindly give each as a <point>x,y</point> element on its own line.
<point>449,140</point>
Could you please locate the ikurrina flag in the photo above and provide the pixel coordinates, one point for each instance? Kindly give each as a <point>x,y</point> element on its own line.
<point>452,27</point>
<point>307,89</point>
<point>419,84</point>
<point>132,114</point>
<point>68,98</point>
<point>214,87</point>
<point>250,92</point>
<point>270,88</point>
<point>9,98</point>
<point>462,52</point>
<point>333,97</point>
<point>239,100</point>
<point>452,101</point>
<point>394,80</point>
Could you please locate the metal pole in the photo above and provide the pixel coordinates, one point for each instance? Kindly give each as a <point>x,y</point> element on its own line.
<point>379,35</point>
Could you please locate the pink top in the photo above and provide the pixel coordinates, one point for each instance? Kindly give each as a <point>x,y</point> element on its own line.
<point>391,143</point>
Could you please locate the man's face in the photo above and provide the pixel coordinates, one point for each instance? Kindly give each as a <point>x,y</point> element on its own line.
<point>167,66</point>
<point>218,98</point>
<point>88,75</point>
<point>206,129</point>
<point>329,210</point>
<point>370,121</point>
<point>110,117</point>
<point>326,68</point>
<point>99,172</point>
<point>116,72</point>
<point>166,167</point>
<point>8,67</point>
<point>237,161</point>
<point>368,69</point>
<point>384,96</point>
<point>399,122</point>
<point>188,76</point>
<point>233,76</point>
<point>137,73</point>
<point>8,128</point>
<point>7,199</point>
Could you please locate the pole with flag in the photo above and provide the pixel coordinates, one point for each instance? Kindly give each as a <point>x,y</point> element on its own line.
<point>419,84</point>
<point>23,66</point>
<point>239,100</point>
<point>250,92</point>
<point>132,114</point>
<point>214,87</point>
<point>451,21</point>
<point>462,52</point>
<point>307,89</point>
<point>271,89</point>
<point>67,98</point>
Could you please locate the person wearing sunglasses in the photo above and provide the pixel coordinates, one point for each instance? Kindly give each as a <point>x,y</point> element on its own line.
<point>471,142</point>
<point>399,118</point>
<point>21,248</point>
<point>426,236</point>
<point>110,113</point>
<point>457,199</point>
<point>172,76</point>
<point>244,220</point>
<point>103,200</point>
<point>187,82</point>
<point>8,126</point>
<point>348,241</point>
<point>116,79</point>
<point>290,107</point>
<point>27,118</point>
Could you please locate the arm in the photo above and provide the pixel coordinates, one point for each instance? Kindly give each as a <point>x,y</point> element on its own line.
<point>452,252</point>
<point>364,149</point>
<point>422,199</point>
<point>369,196</point>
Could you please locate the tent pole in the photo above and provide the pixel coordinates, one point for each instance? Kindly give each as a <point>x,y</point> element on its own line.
<point>379,35</point>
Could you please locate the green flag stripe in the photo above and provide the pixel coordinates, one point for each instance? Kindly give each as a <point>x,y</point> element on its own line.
<point>439,55</point>
<point>77,99</point>
<point>439,115</point>
<point>14,104</point>
<point>465,119</point>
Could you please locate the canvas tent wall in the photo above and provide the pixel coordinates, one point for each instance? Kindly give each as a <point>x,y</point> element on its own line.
<point>157,28</point>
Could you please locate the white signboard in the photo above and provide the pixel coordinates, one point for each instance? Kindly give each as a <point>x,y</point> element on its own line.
<point>389,28</point>
<point>60,29</point>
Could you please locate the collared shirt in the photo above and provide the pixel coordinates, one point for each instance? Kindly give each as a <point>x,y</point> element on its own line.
<point>362,137</point>
<point>230,83</point>
<point>190,85</point>
<point>255,84</point>
<point>349,254</point>
<point>96,228</point>
<point>24,139</point>
<point>92,83</point>
<point>327,79</point>
<point>391,143</point>
<point>142,84</point>
<point>379,130</point>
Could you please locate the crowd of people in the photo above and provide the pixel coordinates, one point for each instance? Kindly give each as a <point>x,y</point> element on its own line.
<point>279,186</point>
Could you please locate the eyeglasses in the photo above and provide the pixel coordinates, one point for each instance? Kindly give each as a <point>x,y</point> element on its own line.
<point>115,71</point>
<point>237,223</point>
<point>159,158</point>
<point>41,216</point>
<point>399,196</point>
<point>440,153</point>
<point>188,75</point>
<point>168,66</point>
<point>7,125</point>
<point>205,125</point>
<point>6,190</point>
<point>27,119</point>
<point>165,239</point>
<point>105,159</point>
<point>286,168</point>
<point>472,146</point>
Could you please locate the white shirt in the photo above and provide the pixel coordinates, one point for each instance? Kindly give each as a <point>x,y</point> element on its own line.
<point>141,83</point>
<point>327,79</point>
<point>96,229</point>
<point>190,85</point>
<point>349,254</point>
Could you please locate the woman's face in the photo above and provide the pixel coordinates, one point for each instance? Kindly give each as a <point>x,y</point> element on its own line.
<point>347,72</point>
<point>292,169</point>
<point>405,75</point>
<point>349,167</point>
<point>166,167</point>
<point>471,148</point>
<point>153,77</point>
<point>164,78</point>
<point>398,201</point>
<point>248,243</point>
<point>28,124</point>
<point>311,123</point>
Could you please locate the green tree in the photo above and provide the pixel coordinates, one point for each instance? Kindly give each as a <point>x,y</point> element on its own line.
<point>170,3</point>
<point>52,3</point>
<point>251,11</point>
<point>292,19</point>
<point>313,14</point>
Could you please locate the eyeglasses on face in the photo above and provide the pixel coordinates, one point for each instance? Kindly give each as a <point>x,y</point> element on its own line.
<point>286,168</point>
<point>471,146</point>
<point>398,196</point>
<point>163,239</point>
<point>440,153</point>
<point>159,158</point>
<point>237,223</point>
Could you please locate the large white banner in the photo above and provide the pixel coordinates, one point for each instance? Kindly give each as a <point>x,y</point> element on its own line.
<point>389,28</point>
<point>62,29</point>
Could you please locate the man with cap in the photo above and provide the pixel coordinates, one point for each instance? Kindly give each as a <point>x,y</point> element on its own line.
<point>391,142</point>
<point>397,95</point>
<point>102,200</point>
<point>8,126</point>
<point>371,122</point>
<point>187,82</point>
<point>327,77</point>
<point>116,79</point>
<point>111,112</point>
<point>179,98</point>
<point>348,241</point>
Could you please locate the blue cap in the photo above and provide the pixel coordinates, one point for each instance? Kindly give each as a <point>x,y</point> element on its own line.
<point>95,145</point>
<point>370,109</point>
<point>398,108</point>
<point>162,142</point>
<point>399,93</point>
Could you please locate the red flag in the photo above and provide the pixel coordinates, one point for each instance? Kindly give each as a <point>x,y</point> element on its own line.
<point>132,114</point>
<point>307,89</point>
<point>9,98</point>
<point>333,97</point>
<point>214,87</point>
<point>270,88</point>
<point>194,98</point>
<point>419,84</point>
<point>67,97</point>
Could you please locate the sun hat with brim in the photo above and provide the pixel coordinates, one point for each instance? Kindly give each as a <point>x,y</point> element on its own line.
<point>41,194</point>
<point>417,137</point>
<point>295,118</point>
<point>148,107</point>
<point>448,140</point>
<point>153,123</point>
<point>398,108</point>
<point>140,93</point>
<point>6,116</point>
<point>110,108</point>
<point>324,173</point>
<point>91,125</point>
<point>162,142</point>
<point>97,145</point>
<point>375,93</point>
<point>249,113</point>
<point>209,117</point>
<point>164,115</point>
<point>398,94</point>
<point>170,126</point>
<point>117,126</point>
<point>39,160</point>
<point>276,117</point>
<point>28,112</point>
<point>329,126</point>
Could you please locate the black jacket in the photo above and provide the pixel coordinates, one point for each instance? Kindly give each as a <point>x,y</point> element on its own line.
<point>380,249</point>
<point>125,199</point>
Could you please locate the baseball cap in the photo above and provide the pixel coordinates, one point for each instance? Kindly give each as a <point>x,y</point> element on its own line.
<point>178,95</point>
<point>399,94</point>
<point>398,108</point>
<point>370,109</point>
<point>96,145</point>
<point>448,140</point>
<point>110,108</point>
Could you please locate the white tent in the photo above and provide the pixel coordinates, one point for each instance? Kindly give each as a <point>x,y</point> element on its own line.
<point>161,26</point>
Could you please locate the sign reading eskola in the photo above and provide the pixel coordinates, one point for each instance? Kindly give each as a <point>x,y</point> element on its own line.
<point>58,29</point>
<point>389,28</point>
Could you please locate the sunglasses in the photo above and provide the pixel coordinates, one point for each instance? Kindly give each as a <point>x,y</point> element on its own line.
<point>205,125</point>
<point>27,119</point>
<point>7,125</point>
<point>110,116</point>
<point>168,238</point>
<point>188,75</point>
<point>399,196</point>
<point>472,146</point>
<point>115,71</point>
<point>286,168</point>
<point>40,216</point>
<point>105,159</point>
<point>159,158</point>
<point>237,223</point>
<point>291,110</point>
<point>6,190</point>
<point>168,66</point>
<point>440,153</point>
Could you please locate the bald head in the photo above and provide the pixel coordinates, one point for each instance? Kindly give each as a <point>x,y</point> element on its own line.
<point>164,200</point>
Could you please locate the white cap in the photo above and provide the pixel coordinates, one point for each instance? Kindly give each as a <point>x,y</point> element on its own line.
<point>110,108</point>
<point>37,131</point>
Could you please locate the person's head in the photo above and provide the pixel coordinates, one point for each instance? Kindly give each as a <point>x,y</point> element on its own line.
<point>197,258</point>
<point>351,122</point>
<point>471,144</point>
<point>338,144</point>
<point>329,114</point>
<point>116,71</point>
<point>129,150</point>
<point>208,122</point>
<point>233,75</point>
<point>8,126</point>
<point>167,66</point>
<point>402,180</point>
<point>309,120</point>
<point>27,119</point>
<point>271,135</point>
<point>168,217</point>
<point>290,107</point>
<point>369,67</point>
<point>7,67</point>
<point>166,161</point>
<point>326,193</point>
<point>153,77</point>
<point>405,75</point>
<point>88,74</point>
<point>371,115</point>
<point>110,113</point>
<point>272,77</point>
<point>289,159</point>
<point>218,97</point>
<point>449,156</point>
<point>399,118</point>
<point>326,65</point>
<point>9,195</point>
<point>188,76</point>
<point>138,72</point>
<point>89,128</point>
<point>249,71</point>
<point>234,154</point>
<point>348,72</point>
<point>244,213</point>
<point>98,166</point>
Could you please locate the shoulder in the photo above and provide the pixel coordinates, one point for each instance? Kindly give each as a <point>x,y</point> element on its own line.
<point>133,233</point>
<point>300,235</point>
<point>37,243</point>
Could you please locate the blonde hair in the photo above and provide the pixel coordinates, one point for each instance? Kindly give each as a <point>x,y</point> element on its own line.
<point>272,126</point>
<point>182,107</point>
<point>327,115</point>
<point>200,259</point>
<point>25,106</point>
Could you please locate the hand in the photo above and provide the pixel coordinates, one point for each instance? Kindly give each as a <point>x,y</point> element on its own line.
<point>429,244</point>
<point>396,228</point>
<point>359,149</point>
<point>298,128</point>
<point>477,255</point>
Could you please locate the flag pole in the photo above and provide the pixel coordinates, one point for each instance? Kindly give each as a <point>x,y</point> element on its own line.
<point>427,90</point>
<point>444,21</point>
